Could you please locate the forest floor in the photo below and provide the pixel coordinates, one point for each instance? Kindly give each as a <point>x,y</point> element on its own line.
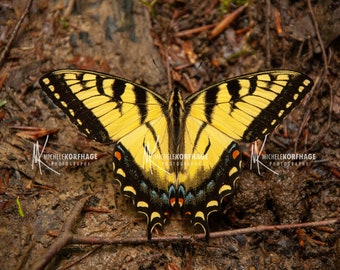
<point>159,45</point>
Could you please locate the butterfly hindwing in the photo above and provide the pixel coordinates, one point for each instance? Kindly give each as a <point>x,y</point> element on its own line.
<point>205,195</point>
<point>149,200</point>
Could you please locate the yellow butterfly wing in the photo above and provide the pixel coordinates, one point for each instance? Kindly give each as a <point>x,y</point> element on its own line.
<point>144,173</point>
<point>248,107</point>
<point>244,108</point>
<point>210,171</point>
<point>107,108</point>
<point>104,107</point>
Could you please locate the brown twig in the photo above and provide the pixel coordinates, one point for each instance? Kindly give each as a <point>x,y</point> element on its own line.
<point>325,80</point>
<point>69,8</point>
<point>267,31</point>
<point>301,128</point>
<point>64,238</point>
<point>278,22</point>
<point>67,237</point>
<point>193,31</point>
<point>78,239</point>
<point>263,228</point>
<point>222,25</point>
<point>14,33</point>
<point>316,27</point>
<point>74,262</point>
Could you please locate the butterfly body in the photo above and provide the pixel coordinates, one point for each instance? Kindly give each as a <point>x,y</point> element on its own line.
<point>176,153</point>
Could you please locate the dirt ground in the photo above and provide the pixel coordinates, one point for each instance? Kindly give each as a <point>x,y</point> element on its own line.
<point>138,40</point>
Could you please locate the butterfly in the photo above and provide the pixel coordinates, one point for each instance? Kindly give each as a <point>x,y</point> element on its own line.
<point>176,153</point>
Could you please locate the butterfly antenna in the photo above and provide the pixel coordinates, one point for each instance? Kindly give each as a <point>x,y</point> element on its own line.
<point>168,71</point>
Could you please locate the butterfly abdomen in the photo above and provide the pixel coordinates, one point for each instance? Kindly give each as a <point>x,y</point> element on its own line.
<point>176,129</point>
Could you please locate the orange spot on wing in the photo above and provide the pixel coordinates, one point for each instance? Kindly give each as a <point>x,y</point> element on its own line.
<point>236,153</point>
<point>118,155</point>
<point>180,202</point>
<point>172,201</point>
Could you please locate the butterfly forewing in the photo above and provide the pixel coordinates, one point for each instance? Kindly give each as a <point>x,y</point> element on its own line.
<point>249,107</point>
<point>104,107</point>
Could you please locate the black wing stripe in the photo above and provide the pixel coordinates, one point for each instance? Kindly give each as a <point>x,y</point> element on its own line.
<point>118,88</point>
<point>99,85</point>
<point>198,136</point>
<point>253,84</point>
<point>270,117</point>
<point>141,101</point>
<point>210,101</point>
<point>234,88</point>
<point>57,89</point>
